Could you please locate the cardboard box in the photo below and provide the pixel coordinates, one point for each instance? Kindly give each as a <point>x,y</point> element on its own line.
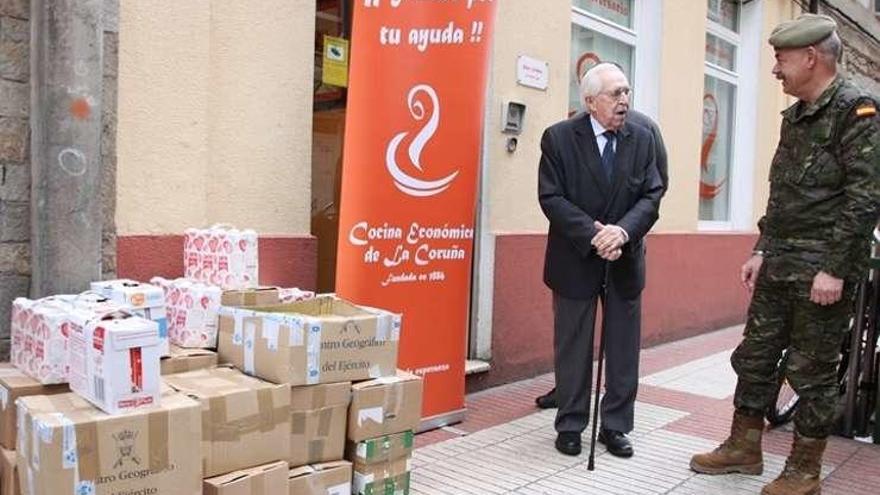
<point>329,478</point>
<point>381,478</point>
<point>182,360</point>
<point>144,300</point>
<point>268,479</point>
<point>66,445</point>
<point>317,417</point>
<point>9,484</point>
<point>379,450</point>
<point>261,296</point>
<point>322,340</point>
<point>247,420</point>
<point>114,362</point>
<point>384,406</point>
<point>293,294</point>
<point>14,384</point>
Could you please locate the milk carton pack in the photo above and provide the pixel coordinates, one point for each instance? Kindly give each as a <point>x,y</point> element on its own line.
<point>38,337</point>
<point>221,256</point>
<point>192,312</point>
<point>114,360</point>
<point>144,300</point>
<point>40,332</point>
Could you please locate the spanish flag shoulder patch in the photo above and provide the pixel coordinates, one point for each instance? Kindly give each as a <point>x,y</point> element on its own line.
<point>866,110</point>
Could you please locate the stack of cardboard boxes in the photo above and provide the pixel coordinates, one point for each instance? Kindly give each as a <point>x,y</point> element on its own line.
<point>381,423</point>
<point>306,396</point>
<point>319,347</point>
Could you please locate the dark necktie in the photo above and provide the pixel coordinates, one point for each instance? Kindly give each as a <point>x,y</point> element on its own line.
<point>608,153</point>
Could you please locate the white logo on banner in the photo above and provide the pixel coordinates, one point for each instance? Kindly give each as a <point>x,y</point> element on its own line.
<point>407,183</point>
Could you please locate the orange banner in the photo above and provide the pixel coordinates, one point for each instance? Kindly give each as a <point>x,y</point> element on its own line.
<point>409,179</point>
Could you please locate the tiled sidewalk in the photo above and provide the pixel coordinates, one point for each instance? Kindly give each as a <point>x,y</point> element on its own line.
<point>506,445</point>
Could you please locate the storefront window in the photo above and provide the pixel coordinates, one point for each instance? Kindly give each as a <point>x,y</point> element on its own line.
<point>719,102</point>
<point>616,11</point>
<point>588,48</point>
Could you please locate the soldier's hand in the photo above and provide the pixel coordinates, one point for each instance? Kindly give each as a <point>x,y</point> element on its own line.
<point>826,289</point>
<point>749,271</point>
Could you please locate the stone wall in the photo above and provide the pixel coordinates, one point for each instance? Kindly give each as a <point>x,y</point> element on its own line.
<point>14,159</point>
<point>15,172</point>
<point>860,31</point>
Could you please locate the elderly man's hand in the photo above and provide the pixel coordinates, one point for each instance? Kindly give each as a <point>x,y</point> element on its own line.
<point>610,238</point>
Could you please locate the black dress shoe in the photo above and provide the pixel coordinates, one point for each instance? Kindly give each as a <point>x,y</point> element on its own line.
<point>616,442</point>
<point>569,443</point>
<point>548,400</point>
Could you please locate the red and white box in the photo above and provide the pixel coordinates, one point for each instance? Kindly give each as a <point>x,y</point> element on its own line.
<point>114,360</point>
<point>221,256</point>
<point>38,337</point>
<point>145,300</point>
<point>192,310</point>
<point>40,330</point>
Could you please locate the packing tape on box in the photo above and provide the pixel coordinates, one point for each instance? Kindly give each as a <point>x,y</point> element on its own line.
<point>313,351</point>
<point>258,484</point>
<point>388,324</point>
<point>271,328</point>
<point>250,337</point>
<point>316,448</point>
<point>300,421</point>
<point>217,427</point>
<point>325,421</point>
<point>394,400</point>
<point>295,324</point>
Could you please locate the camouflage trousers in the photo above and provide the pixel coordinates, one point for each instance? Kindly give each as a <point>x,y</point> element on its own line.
<point>781,317</point>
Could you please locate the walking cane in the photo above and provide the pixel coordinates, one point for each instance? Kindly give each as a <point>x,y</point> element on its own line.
<point>591,464</point>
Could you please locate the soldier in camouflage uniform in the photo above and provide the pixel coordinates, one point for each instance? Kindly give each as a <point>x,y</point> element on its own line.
<point>811,253</point>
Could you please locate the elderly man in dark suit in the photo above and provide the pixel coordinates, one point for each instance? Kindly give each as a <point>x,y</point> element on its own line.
<point>600,187</point>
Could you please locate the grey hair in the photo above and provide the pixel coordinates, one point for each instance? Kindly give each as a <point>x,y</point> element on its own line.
<point>591,83</point>
<point>831,47</point>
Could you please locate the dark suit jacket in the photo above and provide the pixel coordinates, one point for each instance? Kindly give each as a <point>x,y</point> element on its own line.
<point>636,117</point>
<point>573,192</point>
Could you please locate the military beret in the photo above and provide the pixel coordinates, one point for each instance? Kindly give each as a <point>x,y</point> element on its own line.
<point>806,30</point>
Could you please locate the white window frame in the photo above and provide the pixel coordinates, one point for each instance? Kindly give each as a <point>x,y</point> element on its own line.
<point>644,38</point>
<point>744,78</point>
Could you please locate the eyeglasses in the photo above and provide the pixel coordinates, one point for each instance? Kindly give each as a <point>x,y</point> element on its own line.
<point>617,94</point>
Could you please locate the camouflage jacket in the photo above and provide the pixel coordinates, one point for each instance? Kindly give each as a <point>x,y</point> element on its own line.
<point>824,187</point>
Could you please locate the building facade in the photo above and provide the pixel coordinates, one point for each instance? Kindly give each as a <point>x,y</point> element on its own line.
<point>214,111</point>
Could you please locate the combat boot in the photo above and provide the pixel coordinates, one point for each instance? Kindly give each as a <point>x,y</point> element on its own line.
<point>740,453</point>
<point>802,469</point>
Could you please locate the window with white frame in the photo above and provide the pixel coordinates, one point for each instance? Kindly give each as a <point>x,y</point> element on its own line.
<point>720,93</point>
<point>730,110</point>
<point>613,31</point>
